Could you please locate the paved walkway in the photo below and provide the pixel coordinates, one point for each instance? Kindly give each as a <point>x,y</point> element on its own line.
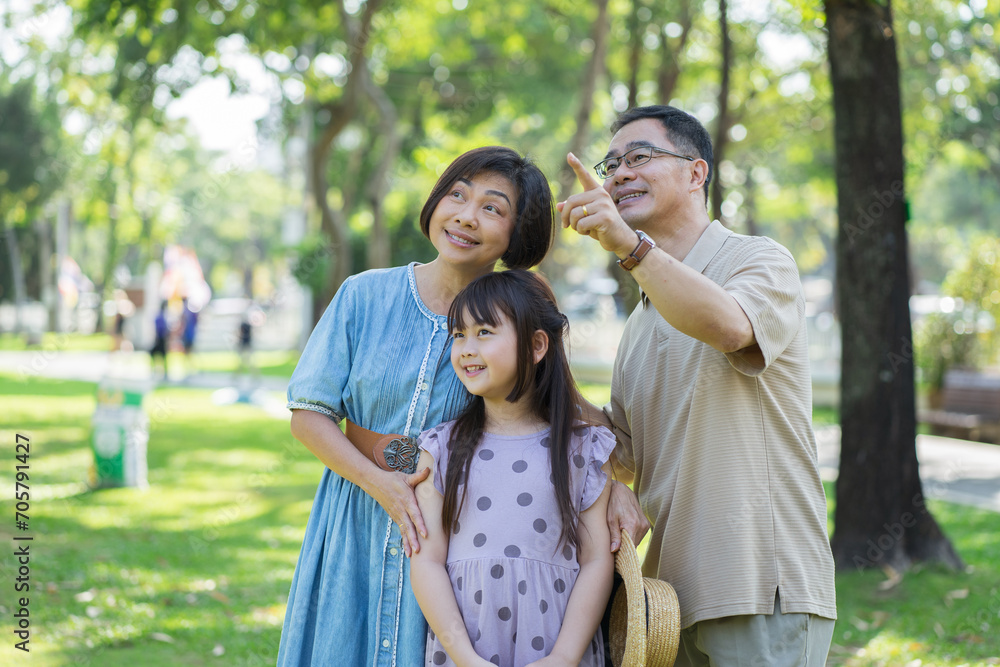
<point>958,471</point>
<point>955,470</point>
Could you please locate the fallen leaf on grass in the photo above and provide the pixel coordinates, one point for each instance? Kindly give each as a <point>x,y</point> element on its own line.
<point>879,617</point>
<point>959,594</point>
<point>894,578</point>
<point>859,624</point>
<point>162,637</point>
<point>269,615</point>
<point>86,596</point>
<point>939,630</point>
<point>221,597</point>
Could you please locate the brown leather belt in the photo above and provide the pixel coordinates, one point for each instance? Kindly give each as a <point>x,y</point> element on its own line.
<point>389,452</point>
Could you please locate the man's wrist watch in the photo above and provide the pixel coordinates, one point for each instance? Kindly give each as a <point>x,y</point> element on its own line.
<point>645,245</point>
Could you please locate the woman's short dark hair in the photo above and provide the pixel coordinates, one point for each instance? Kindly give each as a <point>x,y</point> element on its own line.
<point>685,132</point>
<point>534,224</point>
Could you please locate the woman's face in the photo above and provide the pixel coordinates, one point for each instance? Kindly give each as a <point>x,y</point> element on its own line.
<point>472,224</point>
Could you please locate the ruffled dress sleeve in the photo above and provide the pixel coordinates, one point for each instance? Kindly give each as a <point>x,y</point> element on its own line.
<point>434,441</point>
<point>597,443</point>
<point>324,368</point>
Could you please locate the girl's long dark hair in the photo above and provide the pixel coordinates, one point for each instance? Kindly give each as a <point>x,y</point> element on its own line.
<point>530,306</point>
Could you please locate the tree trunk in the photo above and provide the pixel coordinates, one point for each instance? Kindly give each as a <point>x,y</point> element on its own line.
<point>635,49</point>
<point>750,204</point>
<point>105,287</point>
<point>599,34</point>
<point>566,177</point>
<point>17,274</point>
<point>379,248</point>
<point>670,63</point>
<point>722,120</point>
<point>881,517</point>
<point>47,276</point>
<point>333,224</point>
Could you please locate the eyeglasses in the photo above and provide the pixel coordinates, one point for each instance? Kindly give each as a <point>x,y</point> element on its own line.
<point>633,158</point>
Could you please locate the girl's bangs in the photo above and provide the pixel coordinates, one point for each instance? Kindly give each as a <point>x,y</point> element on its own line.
<point>480,303</point>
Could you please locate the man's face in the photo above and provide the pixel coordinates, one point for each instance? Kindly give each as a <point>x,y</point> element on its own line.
<point>649,191</point>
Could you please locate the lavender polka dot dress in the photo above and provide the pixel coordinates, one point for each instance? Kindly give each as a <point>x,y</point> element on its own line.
<point>511,576</point>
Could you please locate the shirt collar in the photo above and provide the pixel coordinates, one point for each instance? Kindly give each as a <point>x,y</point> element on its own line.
<point>708,246</point>
<point>705,249</point>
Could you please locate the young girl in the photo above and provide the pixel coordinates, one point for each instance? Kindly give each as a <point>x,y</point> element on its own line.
<point>515,568</point>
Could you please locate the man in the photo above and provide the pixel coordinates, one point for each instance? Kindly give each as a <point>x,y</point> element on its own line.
<point>711,402</point>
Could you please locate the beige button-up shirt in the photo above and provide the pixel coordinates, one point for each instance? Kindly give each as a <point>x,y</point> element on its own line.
<point>722,445</point>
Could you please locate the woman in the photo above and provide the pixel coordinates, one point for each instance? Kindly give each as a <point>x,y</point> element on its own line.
<point>379,358</point>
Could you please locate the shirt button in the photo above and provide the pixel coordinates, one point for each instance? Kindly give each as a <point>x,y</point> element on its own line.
<point>423,387</point>
<point>385,643</point>
<point>393,551</point>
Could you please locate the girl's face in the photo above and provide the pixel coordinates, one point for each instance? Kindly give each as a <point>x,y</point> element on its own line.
<point>472,224</point>
<point>485,357</point>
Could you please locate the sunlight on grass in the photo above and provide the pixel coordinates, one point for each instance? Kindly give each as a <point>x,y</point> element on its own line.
<point>124,577</point>
<point>196,568</point>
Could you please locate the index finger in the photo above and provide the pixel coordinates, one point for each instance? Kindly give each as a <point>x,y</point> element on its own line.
<point>583,174</point>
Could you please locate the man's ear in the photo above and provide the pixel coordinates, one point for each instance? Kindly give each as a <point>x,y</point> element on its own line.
<point>539,345</point>
<point>699,173</point>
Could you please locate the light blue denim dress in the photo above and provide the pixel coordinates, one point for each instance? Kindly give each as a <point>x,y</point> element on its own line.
<point>380,358</point>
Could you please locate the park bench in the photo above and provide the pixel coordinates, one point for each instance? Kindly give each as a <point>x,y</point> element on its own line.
<point>970,407</point>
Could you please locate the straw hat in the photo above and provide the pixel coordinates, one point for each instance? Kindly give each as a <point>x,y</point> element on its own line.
<point>645,624</point>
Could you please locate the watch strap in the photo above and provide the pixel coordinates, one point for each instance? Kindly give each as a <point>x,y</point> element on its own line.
<point>645,245</point>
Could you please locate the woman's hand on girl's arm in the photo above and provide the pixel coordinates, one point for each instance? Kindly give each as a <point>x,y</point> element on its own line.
<point>430,580</point>
<point>392,490</point>
<point>396,493</point>
<point>593,585</point>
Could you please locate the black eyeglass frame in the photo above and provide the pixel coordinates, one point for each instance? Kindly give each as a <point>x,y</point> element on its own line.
<point>655,149</point>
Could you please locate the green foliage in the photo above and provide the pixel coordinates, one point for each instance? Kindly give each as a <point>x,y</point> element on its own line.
<point>312,263</point>
<point>966,335</point>
<point>21,137</point>
<point>940,343</point>
<point>28,140</point>
<point>494,72</point>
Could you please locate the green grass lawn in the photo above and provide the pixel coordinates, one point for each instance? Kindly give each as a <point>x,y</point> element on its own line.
<point>195,569</point>
<point>932,616</point>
